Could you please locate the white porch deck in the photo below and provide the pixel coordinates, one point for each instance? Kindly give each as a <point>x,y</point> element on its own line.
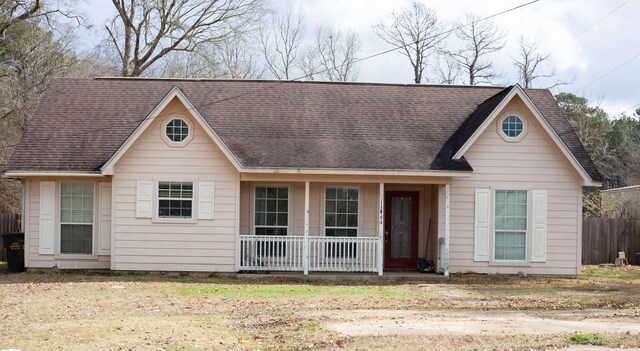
<point>310,254</point>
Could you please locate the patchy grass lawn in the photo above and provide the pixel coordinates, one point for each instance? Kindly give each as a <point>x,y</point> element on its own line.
<point>80,311</point>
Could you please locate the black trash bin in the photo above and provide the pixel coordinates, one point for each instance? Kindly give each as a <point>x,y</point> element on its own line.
<point>637,258</point>
<point>14,247</point>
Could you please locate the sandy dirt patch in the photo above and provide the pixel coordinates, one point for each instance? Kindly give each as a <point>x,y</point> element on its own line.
<point>395,322</point>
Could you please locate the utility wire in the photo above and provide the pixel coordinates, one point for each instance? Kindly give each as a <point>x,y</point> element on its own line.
<point>629,108</point>
<point>609,72</point>
<point>602,19</point>
<point>397,47</point>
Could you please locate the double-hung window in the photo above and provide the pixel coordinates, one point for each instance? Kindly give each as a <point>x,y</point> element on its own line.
<point>510,225</point>
<point>175,200</point>
<point>76,218</point>
<point>341,219</point>
<point>271,217</point>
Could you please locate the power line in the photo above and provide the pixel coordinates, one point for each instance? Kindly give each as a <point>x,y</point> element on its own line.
<point>609,72</point>
<point>397,47</point>
<point>601,19</point>
<point>629,108</point>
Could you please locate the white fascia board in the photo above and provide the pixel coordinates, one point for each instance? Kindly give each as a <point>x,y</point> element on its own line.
<point>345,171</point>
<point>517,90</point>
<point>107,168</point>
<point>23,174</point>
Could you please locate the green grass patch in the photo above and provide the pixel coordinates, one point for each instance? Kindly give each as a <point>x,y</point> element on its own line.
<point>592,339</point>
<point>310,325</point>
<point>275,290</point>
<point>609,272</point>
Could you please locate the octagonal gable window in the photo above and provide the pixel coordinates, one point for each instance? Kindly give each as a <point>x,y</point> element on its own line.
<point>177,130</point>
<point>512,126</point>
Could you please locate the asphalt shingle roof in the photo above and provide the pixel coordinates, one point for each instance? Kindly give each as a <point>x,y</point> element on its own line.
<point>81,123</point>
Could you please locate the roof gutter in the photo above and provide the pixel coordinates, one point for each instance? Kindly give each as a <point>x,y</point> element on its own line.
<point>350,171</point>
<point>23,174</point>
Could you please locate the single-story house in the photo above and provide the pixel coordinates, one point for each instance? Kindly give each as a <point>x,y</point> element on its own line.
<point>237,175</point>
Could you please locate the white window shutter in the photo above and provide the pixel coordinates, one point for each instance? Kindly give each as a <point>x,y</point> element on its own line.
<point>482,220</point>
<point>104,219</point>
<point>47,217</point>
<point>144,198</point>
<point>539,227</point>
<point>205,200</point>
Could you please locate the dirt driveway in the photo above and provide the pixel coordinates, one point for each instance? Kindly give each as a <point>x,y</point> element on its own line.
<point>138,311</point>
<point>474,322</point>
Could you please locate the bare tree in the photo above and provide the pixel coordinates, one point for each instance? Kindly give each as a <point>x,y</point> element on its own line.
<point>233,57</point>
<point>309,63</point>
<point>530,64</point>
<point>13,12</point>
<point>448,70</point>
<point>280,42</point>
<point>238,60</point>
<point>479,38</point>
<point>181,64</point>
<point>336,54</point>
<point>145,31</point>
<point>416,32</point>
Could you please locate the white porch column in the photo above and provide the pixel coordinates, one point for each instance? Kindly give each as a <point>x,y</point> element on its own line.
<point>305,244</point>
<point>381,228</point>
<point>447,197</point>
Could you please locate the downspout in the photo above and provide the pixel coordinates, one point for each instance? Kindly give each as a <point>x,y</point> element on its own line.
<point>447,196</point>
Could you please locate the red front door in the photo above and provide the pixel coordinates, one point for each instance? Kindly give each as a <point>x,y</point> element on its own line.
<point>401,229</point>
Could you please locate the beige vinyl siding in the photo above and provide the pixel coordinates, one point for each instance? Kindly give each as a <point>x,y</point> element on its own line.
<point>189,245</point>
<point>532,163</point>
<point>32,230</point>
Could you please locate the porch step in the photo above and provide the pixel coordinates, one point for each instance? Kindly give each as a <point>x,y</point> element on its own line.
<point>388,277</point>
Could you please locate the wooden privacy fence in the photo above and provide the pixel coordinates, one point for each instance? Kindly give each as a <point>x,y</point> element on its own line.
<point>8,223</point>
<point>603,238</point>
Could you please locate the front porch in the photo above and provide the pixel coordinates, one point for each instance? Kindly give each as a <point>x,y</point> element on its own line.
<point>343,227</point>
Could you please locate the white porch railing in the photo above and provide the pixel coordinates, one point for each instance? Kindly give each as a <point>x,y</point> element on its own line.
<point>324,254</point>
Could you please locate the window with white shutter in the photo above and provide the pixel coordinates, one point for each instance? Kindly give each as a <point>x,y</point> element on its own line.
<point>47,217</point>
<point>539,227</point>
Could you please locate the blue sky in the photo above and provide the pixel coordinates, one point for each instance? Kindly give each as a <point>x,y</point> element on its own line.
<point>586,40</point>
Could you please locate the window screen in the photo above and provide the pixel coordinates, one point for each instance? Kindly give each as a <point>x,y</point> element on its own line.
<point>76,218</point>
<point>510,225</point>
<point>175,199</point>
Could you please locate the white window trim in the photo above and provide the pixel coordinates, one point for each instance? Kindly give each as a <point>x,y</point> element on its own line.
<point>289,207</point>
<point>58,219</point>
<point>323,205</point>
<point>156,203</point>
<point>527,242</point>
<point>171,143</point>
<point>525,127</point>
